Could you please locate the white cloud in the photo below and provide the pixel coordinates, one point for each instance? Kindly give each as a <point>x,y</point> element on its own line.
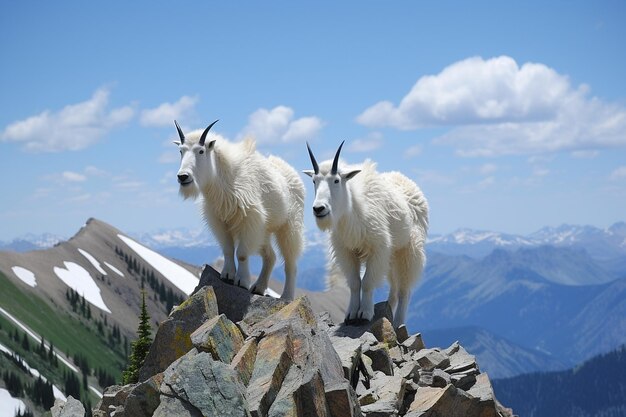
<point>279,125</point>
<point>619,173</point>
<point>413,151</point>
<point>584,154</point>
<point>370,143</point>
<point>496,107</point>
<point>74,127</point>
<point>166,113</point>
<point>70,176</point>
<point>487,169</point>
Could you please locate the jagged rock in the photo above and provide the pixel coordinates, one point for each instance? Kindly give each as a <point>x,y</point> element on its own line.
<point>383,331</point>
<point>380,359</point>
<point>258,310</point>
<point>294,362</point>
<point>143,399</point>
<point>482,389</point>
<point>425,378</point>
<point>432,358</point>
<point>409,370</point>
<point>243,362</point>
<point>311,353</point>
<point>464,380</point>
<point>341,401</point>
<point>440,378</point>
<point>396,355</point>
<point>349,351</point>
<point>189,379</point>
<point>366,367</point>
<point>113,397</point>
<point>460,360</point>
<point>70,408</point>
<point>402,333</point>
<point>389,388</point>
<point>379,409</point>
<point>218,336</point>
<point>273,359</point>
<point>232,301</point>
<point>172,339</point>
<point>172,406</point>
<point>302,395</point>
<point>450,402</point>
<point>414,343</point>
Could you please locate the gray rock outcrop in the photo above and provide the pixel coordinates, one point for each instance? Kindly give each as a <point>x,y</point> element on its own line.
<point>265,357</point>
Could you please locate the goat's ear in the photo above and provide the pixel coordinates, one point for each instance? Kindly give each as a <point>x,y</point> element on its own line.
<point>177,143</point>
<point>211,144</point>
<point>309,172</point>
<point>350,175</point>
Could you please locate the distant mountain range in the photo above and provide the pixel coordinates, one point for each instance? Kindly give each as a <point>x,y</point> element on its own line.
<point>552,297</point>
<point>596,388</point>
<point>599,243</point>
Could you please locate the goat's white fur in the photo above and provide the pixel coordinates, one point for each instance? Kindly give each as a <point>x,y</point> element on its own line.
<point>379,220</point>
<point>246,198</point>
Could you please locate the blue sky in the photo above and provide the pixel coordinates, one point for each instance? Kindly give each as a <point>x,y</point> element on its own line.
<point>509,115</point>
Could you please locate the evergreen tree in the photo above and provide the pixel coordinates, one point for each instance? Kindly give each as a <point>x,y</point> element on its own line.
<point>139,348</point>
<point>25,344</point>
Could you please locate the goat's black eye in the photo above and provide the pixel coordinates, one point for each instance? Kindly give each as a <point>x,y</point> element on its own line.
<point>201,151</point>
<point>336,181</point>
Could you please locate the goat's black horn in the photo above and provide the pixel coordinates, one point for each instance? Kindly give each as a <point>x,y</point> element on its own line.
<point>203,137</point>
<point>333,170</point>
<point>316,168</point>
<point>181,135</point>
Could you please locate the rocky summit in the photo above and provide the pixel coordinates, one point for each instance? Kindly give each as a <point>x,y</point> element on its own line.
<point>226,352</point>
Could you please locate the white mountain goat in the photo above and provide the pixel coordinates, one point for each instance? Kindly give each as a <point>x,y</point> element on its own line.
<point>376,219</point>
<point>247,198</point>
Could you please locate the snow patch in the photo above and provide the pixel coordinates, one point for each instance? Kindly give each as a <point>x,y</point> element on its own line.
<point>77,278</point>
<point>114,269</point>
<point>25,275</point>
<point>10,406</point>
<point>93,261</point>
<point>176,274</point>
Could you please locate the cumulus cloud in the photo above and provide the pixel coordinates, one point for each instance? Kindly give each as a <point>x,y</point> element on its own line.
<point>413,151</point>
<point>496,107</point>
<point>74,127</point>
<point>618,173</point>
<point>70,176</point>
<point>279,125</point>
<point>166,113</point>
<point>370,143</point>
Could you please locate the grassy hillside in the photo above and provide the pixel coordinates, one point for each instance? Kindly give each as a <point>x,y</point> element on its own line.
<point>68,332</point>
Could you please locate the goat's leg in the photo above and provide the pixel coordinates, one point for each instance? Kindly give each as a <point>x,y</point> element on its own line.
<point>289,239</point>
<point>226,241</point>
<point>375,267</point>
<point>251,238</point>
<point>269,259</point>
<point>351,268</point>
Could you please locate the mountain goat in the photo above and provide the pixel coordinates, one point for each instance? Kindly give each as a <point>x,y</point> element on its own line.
<point>376,219</point>
<point>246,198</point>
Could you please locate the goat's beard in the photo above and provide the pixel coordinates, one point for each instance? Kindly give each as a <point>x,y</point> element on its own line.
<point>190,191</point>
<point>324,223</point>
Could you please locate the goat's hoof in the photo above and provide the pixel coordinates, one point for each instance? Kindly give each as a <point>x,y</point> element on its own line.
<point>254,290</point>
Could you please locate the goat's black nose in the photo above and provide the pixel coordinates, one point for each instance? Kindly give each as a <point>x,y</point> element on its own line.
<point>182,178</point>
<point>318,209</point>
